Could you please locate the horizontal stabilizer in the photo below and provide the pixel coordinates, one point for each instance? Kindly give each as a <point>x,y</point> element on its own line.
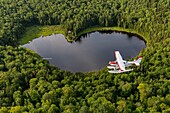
<point>137,62</point>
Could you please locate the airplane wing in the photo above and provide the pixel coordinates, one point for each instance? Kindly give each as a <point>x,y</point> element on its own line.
<point>120,61</point>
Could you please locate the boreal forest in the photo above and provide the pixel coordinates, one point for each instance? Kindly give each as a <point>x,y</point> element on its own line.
<point>29,84</point>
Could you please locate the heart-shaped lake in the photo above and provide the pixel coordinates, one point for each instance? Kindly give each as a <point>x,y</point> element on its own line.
<point>91,52</point>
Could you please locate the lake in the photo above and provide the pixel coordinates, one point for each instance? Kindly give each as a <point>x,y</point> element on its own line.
<point>90,52</point>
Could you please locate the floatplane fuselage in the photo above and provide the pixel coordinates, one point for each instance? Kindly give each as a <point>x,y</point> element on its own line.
<point>119,66</point>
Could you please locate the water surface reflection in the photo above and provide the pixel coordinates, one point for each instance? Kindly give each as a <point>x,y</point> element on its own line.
<point>89,53</point>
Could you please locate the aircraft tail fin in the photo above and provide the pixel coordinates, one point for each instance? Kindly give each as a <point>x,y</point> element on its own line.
<point>137,62</point>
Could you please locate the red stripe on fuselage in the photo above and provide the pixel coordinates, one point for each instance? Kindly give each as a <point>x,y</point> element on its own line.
<point>112,62</point>
<point>139,57</point>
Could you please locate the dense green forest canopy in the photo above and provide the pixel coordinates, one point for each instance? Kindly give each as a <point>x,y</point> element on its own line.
<point>30,84</point>
<point>151,18</point>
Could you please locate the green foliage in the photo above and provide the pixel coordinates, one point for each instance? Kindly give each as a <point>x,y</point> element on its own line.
<point>29,84</point>
<point>142,16</point>
<point>37,31</point>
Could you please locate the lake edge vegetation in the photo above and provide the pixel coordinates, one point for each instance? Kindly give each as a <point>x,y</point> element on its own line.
<point>38,31</point>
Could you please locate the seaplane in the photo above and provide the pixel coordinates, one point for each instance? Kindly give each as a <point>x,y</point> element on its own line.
<point>119,66</point>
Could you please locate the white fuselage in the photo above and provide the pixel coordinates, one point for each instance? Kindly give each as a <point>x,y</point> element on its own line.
<point>115,65</point>
<point>119,66</point>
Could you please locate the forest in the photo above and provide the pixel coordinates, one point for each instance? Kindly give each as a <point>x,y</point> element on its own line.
<point>29,84</point>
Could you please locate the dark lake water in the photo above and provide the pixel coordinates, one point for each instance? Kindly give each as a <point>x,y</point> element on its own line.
<point>91,52</point>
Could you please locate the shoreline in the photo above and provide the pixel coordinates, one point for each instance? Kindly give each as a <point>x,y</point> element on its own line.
<point>114,29</point>
<point>34,32</point>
